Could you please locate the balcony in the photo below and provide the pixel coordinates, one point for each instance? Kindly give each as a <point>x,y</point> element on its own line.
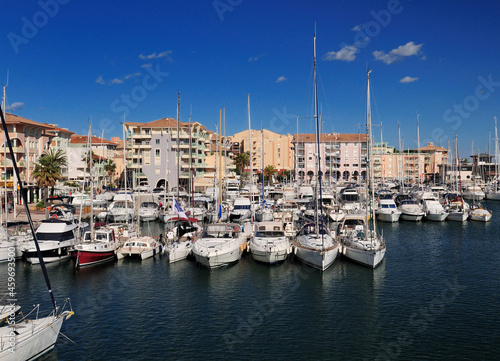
<point>139,136</point>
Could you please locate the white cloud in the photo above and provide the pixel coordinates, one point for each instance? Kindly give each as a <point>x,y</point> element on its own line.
<point>164,54</point>
<point>398,54</point>
<point>100,80</point>
<point>116,81</point>
<point>358,28</point>
<point>408,79</point>
<point>135,75</point>
<point>280,79</point>
<point>347,53</point>
<point>14,106</point>
<point>256,58</point>
<point>148,65</point>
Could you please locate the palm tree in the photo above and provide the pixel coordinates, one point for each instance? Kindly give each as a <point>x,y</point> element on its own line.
<point>269,171</point>
<point>242,161</point>
<point>110,168</point>
<point>48,169</point>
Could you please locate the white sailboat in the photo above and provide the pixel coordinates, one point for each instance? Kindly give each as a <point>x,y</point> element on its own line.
<point>30,338</point>
<point>361,243</point>
<point>314,244</point>
<point>493,191</point>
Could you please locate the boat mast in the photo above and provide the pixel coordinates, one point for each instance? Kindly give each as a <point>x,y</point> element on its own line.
<point>418,151</point>
<point>219,199</point>
<point>319,200</point>
<point>250,155</point>
<point>28,214</point>
<point>297,153</point>
<point>178,142</point>
<point>190,185</point>
<point>369,158</point>
<point>91,166</point>
<point>497,154</point>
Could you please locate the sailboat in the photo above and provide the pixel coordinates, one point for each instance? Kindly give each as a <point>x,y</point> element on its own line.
<point>314,244</point>
<point>359,238</point>
<point>493,191</point>
<point>29,338</point>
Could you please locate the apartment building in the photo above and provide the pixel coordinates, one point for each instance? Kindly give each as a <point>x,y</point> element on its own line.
<point>343,156</point>
<point>160,153</point>
<point>272,148</point>
<point>29,140</point>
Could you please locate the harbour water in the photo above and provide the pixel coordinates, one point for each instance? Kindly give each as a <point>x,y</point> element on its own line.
<point>435,296</point>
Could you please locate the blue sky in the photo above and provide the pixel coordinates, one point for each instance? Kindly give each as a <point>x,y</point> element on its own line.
<point>71,60</point>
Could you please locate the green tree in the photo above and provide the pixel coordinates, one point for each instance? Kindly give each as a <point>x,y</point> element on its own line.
<point>110,168</point>
<point>269,171</point>
<point>242,161</point>
<point>48,169</point>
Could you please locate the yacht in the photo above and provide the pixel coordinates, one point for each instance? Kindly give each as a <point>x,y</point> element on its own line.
<point>269,244</point>
<point>409,208</point>
<point>220,245</point>
<point>95,248</point>
<point>434,211</point>
<point>148,212</point>
<point>387,210</point>
<point>141,247</point>
<point>241,210</point>
<point>56,239</point>
<point>180,239</point>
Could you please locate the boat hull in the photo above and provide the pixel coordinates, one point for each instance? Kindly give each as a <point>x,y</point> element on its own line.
<point>388,217</point>
<point>493,196</point>
<point>457,216</point>
<point>35,340</point>
<point>318,259</point>
<point>436,217</point>
<point>217,259</point>
<point>271,256</point>
<point>49,255</point>
<point>88,258</point>
<point>369,258</point>
<point>411,217</point>
<point>179,251</point>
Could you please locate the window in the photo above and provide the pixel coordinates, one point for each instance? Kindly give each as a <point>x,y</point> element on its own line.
<point>157,141</point>
<point>157,153</point>
<point>157,171</point>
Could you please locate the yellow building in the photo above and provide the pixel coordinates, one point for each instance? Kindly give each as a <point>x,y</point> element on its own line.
<point>274,148</point>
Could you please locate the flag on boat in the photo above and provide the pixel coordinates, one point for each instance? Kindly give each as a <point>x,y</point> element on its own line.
<point>177,209</point>
<point>219,212</point>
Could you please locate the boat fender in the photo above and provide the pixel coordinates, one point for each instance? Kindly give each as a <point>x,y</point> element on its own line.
<point>59,251</point>
<point>54,216</point>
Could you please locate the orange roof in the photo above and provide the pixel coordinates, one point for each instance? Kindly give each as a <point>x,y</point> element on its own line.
<point>430,147</point>
<point>15,119</point>
<point>163,123</point>
<point>83,139</point>
<point>335,137</point>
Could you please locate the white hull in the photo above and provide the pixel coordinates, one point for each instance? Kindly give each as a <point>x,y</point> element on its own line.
<point>457,216</point>
<point>370,258</point>
<point>493,196</point>
<point>219,259</point>
<point>436,217</point>
<point>271,253</point>
<point>319,259</point>
<point>52,251</point>
<point>35,339</point>
<point>179,251</point>
<point>411,217</point>
<point>480,215</point>
<point>388,217</point>
<point>150,218</point>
